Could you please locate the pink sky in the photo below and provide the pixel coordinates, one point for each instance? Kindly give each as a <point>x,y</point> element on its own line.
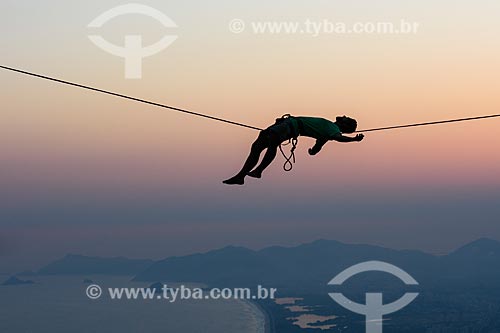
<point>60,143</point>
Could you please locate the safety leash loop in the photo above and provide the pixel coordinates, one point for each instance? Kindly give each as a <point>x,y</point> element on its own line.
<point>289,160</point>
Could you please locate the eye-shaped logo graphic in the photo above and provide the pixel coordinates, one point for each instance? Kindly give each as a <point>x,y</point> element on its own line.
<point>133,52</point>
<point>374,309</point>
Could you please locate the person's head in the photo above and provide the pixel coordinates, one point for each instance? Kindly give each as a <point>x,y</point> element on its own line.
<point>346,124</point>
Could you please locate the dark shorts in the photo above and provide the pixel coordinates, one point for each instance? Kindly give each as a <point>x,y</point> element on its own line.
<point>281,131</point>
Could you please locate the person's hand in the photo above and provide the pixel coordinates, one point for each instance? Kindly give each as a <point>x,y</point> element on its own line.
<point>359,137</point>
<point>312,152</point>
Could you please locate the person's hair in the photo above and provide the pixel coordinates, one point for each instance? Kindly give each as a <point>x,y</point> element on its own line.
<point>347,125</point>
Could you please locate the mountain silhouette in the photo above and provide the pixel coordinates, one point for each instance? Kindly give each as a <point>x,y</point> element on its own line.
<point>304,268</point>
<point>314,264</point>
<point>14,281</point>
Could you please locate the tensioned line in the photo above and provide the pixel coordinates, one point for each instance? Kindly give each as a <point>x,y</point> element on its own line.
<point>128,97</point>
<point>430,123</point>
<point>225,120</point>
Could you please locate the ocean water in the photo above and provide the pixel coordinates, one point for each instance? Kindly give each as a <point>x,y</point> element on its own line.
<point>60,305</point>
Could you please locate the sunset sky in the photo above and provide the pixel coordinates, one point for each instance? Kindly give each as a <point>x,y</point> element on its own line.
<point>92,174</point>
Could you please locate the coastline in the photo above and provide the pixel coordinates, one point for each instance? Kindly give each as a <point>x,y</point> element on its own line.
<point>266,321</point>
<point>268,317</point>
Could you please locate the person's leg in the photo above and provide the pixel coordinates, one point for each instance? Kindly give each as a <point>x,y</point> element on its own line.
<point>258,146</point>
<point>278,133</point>
<point>266,161</point>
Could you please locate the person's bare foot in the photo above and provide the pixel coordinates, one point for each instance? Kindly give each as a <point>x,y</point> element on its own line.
<point>255,174</point>
<point>236,180</point>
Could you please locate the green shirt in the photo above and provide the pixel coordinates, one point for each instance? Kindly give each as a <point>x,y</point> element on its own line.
<point>318,128</point>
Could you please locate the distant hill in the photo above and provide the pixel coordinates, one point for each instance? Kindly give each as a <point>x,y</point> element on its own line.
<point>482,252</point>
<point>307,267</point>
<point>227,265</point>
<point>312,265</point>
<point>82,265</point>
<point>476,264</point>
<point>14,281</point>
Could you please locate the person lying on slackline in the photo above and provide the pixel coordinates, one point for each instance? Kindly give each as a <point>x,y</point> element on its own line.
<point>323,130</point>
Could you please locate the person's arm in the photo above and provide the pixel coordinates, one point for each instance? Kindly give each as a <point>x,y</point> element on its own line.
<point>343,138</point>
<point>339,138</point>
<point>317,147</point>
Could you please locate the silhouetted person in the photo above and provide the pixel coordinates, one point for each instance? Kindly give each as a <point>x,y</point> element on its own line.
<point>323,130</point>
